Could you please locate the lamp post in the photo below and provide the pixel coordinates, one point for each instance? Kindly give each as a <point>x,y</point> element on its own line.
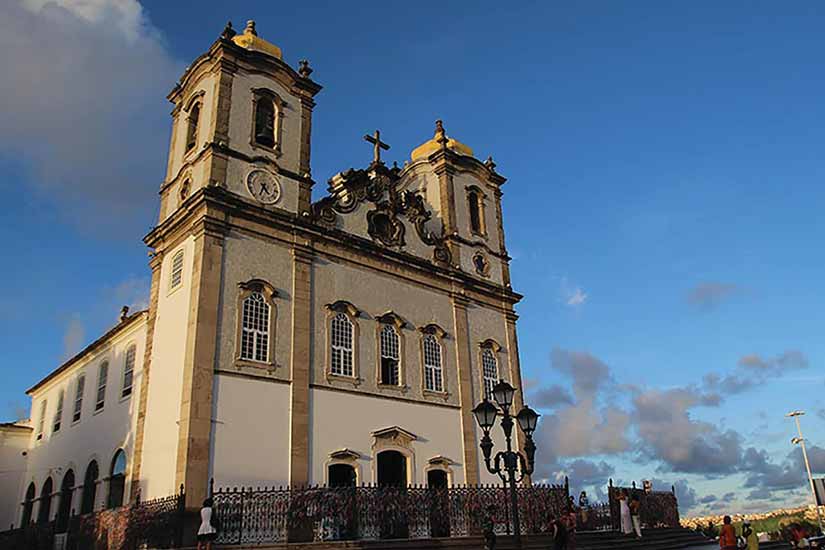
<point>511,466</point>
<point>801,442</point>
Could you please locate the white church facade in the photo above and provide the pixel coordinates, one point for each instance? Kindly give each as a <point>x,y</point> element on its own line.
<point>285,342</point>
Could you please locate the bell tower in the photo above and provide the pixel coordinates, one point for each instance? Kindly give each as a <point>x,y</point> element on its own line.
<point>242,120</point>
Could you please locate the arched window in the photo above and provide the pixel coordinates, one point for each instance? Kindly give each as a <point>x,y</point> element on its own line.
<point>41,421</point>
<point>489,369</point>
<point>255,328</point>
<point>64,509</point>
<point>264,121</point>
<point>28,506</point>
<point>341,345</point>
<point>128,371</point>
<point>102,378</point>
<point>474,200</point>
<point>87,503</point>
<point>192,126</point>
<point>433,374</point>
<point>117,480</point>
<point>58,413</point>
<point>390,355</point>
<point>176,275</point>
<point>78,398</point>
<point>45,510</point>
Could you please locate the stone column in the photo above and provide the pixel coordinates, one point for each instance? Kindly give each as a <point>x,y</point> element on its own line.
<point>465,389</point>
<point>300,363</point>
<point>137,452</point>
<point>199,364</point>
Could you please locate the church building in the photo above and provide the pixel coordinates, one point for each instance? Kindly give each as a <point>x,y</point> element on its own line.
<point>286,341</point>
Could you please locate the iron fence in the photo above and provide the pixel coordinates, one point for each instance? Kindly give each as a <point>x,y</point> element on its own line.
<point>277,514</point>
<point>657,508</point>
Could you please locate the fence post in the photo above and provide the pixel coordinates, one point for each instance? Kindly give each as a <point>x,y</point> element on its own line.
<point>240,523</point>
<point>181,516</point>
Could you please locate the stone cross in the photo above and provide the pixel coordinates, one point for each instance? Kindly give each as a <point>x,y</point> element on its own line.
<point>375,139</point>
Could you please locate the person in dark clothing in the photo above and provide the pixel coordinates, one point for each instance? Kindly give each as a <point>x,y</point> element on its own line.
<point>559,534</point>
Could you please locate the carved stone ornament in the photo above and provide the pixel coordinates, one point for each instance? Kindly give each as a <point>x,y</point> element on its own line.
<point>393,436</point>
<point>385,227</point>
<point>481,264</point>
<point>263,186</point>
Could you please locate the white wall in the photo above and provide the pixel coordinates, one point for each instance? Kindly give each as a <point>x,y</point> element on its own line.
<point>250,432</point>
<point>13,445</point>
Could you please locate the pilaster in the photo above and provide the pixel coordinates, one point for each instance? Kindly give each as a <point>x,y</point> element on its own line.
<point>300,364</point>
<point>195,423</point>
<point>465,388</point>
<point>515,375</point>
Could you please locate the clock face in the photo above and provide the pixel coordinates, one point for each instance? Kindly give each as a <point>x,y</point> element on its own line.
<point>263,186</point>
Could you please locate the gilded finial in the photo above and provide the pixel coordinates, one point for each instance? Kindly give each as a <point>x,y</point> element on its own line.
<point>250,28</point>
<point>304,69</point>
<point>228,31</point>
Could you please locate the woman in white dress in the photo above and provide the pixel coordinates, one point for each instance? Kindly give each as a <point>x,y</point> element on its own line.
<point>206,532</point>
<point>624,511</point>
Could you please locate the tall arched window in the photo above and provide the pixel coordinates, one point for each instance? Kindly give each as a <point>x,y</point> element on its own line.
<point>28,506</point>
<point>176,275</point>
<point>192,126</point>
<point>489,368</point>
<point>117,480</point>
<point>264,121</point>
<point>390,355</point>
<point>64,508</point>
<point>128,371</point>
<point>433,373</point>
<point>87,503</point>
<point>474,200</point>
<point>58,413</point>
<point>102,378</point>
<point>255,328</point>
<point>41,421</point>
<point>341,345</point>
<point>45,510</point>
<point>78,398</point>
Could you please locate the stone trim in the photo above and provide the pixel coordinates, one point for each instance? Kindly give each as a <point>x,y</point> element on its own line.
<point>300,363</point>
<point>465,390</point>
<point>395,398</point>
<point>515,377</point>
<point>278,123</point>
<point>440,335</point>
<point>495,348</point>
<point>392,319</point>
<point>352,313</point>
<point>269,293</point>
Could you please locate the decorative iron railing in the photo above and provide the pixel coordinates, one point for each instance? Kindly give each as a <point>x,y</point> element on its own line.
<point>271,515</point>
<point>657,508</point>
<point>152,523</point>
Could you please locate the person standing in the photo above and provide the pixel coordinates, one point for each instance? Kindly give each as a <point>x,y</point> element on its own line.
<point>751,539</point>
<point>207,531</point>
<point>559,534</point>
<point>635,518</point>
<point>583,504</point>
<point>727,537</point>
<point>624,513</point>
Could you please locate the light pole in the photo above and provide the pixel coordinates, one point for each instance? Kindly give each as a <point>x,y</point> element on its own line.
<point>801,442</point>
<point>511,466</point>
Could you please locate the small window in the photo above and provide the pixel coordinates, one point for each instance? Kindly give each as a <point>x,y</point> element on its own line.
<point>341,348</point>
<point>176,277</point>
<point>102,378</point>
<point>265,121</point>
<point>41,422</point>
<point>128,371</point>
<point>58,413</point>
<point>489,368</point>
<point>117,480</point>
<point>433,374</point>
<point>78,398</point>
<point>255,328</point>
<point>192,126</point>
<point>390,354</point>
<point>476,212</point>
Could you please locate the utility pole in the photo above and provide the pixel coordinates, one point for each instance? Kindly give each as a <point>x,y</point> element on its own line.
<point>801,441</point>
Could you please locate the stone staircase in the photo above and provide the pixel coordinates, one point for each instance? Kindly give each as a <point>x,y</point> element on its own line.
<point>654,539</point>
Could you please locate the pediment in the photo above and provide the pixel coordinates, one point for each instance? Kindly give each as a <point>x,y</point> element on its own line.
<point>394,434</point>
<point>345,454</point>
<point>440,461</point>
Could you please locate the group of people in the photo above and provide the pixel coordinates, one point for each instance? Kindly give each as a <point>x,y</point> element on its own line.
<point>729,541</point>
<point>629,513</point>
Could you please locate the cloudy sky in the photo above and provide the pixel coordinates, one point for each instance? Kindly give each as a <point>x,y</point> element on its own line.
<point>663,207</point>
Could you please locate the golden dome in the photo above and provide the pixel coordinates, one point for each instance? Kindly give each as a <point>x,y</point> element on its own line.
<point>429,147</point>
<point>249,40</point>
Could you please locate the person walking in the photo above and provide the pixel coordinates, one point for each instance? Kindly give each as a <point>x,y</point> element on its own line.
<point>727,537</point>
<point>635,518</point>
<point>207,531</point>
<point>624,513</point>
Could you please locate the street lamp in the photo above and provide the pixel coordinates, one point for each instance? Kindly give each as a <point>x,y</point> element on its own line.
<point>511,466</point>
<point>801,442</point>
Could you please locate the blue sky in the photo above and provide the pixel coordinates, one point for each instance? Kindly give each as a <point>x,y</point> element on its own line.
<point>663,203</point>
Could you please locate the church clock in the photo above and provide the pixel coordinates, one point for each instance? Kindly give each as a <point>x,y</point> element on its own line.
<point>263,186</point>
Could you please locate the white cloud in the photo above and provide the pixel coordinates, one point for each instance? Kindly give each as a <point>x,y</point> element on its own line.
<point>73,337</point>
<point>572,295</point>
<point>125,15</point>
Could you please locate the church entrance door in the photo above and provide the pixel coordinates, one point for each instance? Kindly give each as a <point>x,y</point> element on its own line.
<point>341,475</point>
<point>439,503</point>
<point>392,478</point>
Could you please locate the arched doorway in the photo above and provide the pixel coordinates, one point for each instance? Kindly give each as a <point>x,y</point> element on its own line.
<point>28,506</point>
<point>45,511</point>
<point>64,509</point>
<point>392,469</point>
<point>341,475</point>
<point>87,503</point>
<point>437,479</point>
<point>439,503</point>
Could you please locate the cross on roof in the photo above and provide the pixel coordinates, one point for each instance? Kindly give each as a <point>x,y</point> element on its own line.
<point>375,139</point>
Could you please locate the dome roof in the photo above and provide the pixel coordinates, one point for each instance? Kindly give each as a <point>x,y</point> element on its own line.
<point>250,40</point>
<point>429,147</point>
